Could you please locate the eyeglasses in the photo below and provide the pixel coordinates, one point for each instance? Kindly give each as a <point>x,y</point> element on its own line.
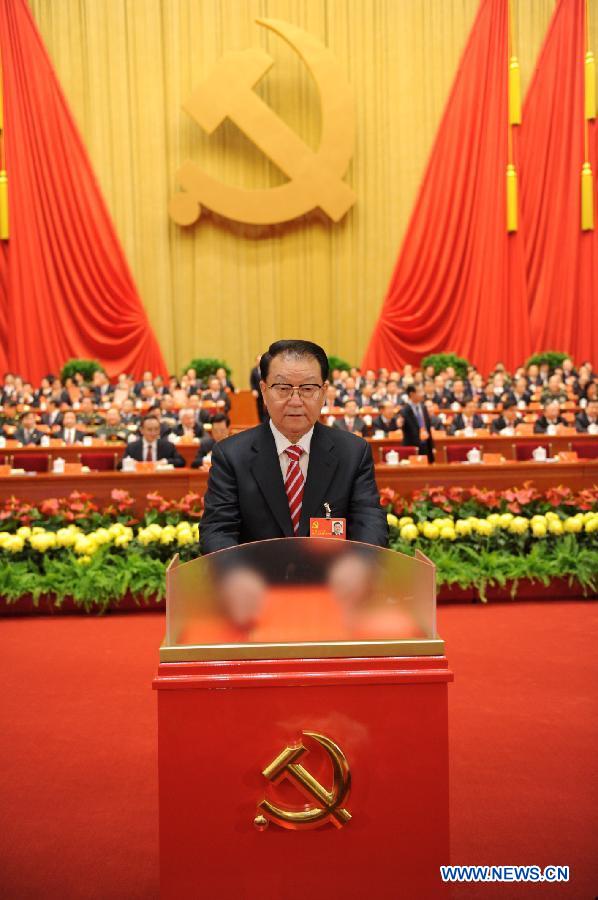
<point>286,391</point>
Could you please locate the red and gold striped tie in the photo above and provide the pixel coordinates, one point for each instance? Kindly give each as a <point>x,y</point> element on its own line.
<point>294,484</point>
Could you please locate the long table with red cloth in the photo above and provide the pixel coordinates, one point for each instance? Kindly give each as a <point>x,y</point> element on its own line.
<point>505,446</point>
<point>175,483</point>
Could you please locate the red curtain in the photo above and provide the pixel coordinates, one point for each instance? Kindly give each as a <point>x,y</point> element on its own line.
<point>459,283</point>
<point>561,260</point>
<point>67,290</point>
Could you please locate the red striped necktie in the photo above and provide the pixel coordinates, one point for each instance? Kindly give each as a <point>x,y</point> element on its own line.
<point>294,484</point>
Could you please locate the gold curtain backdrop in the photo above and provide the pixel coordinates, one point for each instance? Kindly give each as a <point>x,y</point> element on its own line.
<point>218,289</point>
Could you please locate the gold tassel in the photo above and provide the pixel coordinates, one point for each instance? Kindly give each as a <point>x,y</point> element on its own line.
<point>587,198</point>
<point>511,198</point>
<point>514,92</point>
<point>3,205</point>
<point>590,86</point>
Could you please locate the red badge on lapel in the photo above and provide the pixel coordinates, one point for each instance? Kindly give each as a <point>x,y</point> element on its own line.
<point>328,528</point>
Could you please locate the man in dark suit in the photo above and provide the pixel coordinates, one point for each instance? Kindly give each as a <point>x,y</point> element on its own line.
<point>187,427</point>
<point>216,395</point>
<point>466,418</point>
<point>52,417</point>
<point>417,428</point>
<point>551,419</point>
<point>586,418</point>
<point>27,433</point>
<point>152,447</point>
<point>386,421</point>
<point>508,420</point>
<point>220,429</point>
<point>351,421</point>
<point>268,481</point>
<point>69,433</point>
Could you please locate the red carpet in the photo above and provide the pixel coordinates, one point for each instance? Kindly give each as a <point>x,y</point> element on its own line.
<point>77,752</point>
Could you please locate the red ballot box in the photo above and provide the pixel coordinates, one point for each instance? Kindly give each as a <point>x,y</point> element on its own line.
<point>302,710</point>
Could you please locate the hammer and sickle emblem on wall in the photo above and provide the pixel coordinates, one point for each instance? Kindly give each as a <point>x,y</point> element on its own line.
<point>328,804</point>
<point>316,178</point>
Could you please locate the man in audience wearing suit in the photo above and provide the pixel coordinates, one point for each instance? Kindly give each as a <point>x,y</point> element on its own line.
<point>417,428</point>
<point>220,430</point>
<point>52,417</point>
<point>350,421</point>
<point>508,420</point>
<point>27,433</point>
<point>551,419</point>
<point>386,421</point>
<point>466,418</point>
<point>519,392</point>
<point>69,432</point>
<point>268,481</point>
<point>151,447</point>
<point>586,422</point>
<point>187,428</point>
<point>216,395</point>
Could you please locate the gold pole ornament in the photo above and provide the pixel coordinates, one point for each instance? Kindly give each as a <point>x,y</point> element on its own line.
<point>511,198</point>
<point>587,198</point>
<point>514,92</point>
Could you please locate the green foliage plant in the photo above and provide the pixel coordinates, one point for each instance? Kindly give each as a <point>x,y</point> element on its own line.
<point>84,367</point>
<point>554,358</point>
<point>441,361</point>
<point>206,366</point>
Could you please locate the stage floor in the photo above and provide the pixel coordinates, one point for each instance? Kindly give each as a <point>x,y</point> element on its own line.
<point>78,802</point>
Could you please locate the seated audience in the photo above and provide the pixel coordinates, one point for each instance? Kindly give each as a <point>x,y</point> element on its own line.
<point>216,395</point>
<point>220,429</point>
<point>387,420</point>
<point>187,429</point>
<point>550,421</point>
<point>113,429</point>
<point>508,420</point>
<point>52,417</point>
<point>27,432</point>
<point>151,447</point>
<point>466,418</point>
<point>554,390</point>
<point>351,421</point>
<point>586,422</point>
<point>69,433</point>
<point>519,393</point>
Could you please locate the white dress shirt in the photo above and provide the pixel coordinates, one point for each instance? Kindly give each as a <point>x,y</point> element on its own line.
<point>154,449</point>
<point>281,445</point>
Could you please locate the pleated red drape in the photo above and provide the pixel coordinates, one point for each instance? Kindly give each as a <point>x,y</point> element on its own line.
<point>459,283</point>
<point>66,289</point>
<point>561,260</point>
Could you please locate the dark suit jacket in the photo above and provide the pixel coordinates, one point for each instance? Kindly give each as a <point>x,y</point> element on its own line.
<point>246,500</point>
<point>79,435</point>
<point>457,423</point>
<point>411,431</point>
<point>180,431</point>
<point>500,422</point>
<point>358,425</point>
<point>541,424</point>
<point>35,436</point>
<point>581,422</point>
<point>166,451</point>
<point>205,446</point>
<point>379,424</point>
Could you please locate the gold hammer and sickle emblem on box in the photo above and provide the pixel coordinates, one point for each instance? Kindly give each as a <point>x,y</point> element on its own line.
<point>329,805</point>
<point>316,178</point>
